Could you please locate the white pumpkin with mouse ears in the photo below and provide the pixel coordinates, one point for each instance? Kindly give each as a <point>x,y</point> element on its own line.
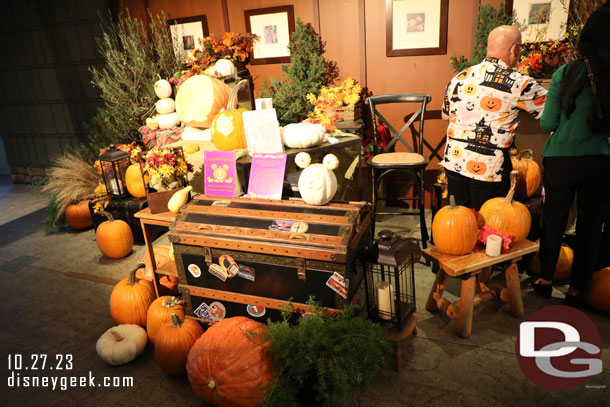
<point>317,183</point>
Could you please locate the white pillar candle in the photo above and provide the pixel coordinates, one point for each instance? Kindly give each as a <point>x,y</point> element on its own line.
<point>493,246</point>
<point>263,103</point>
<point>385,292</point>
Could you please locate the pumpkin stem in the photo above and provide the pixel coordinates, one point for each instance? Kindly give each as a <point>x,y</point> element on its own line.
<point>527,153</point>
<point>117,336</point>
<point>107,214</point>
<point>452,204</point>
<point>513,185</point>
<point>171,302</point>
<point>132,274</point>
<point>177,323</point>
<point>233,95</point>
<point>211,383</point>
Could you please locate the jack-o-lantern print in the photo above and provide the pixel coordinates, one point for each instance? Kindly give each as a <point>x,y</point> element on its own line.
<point>457,167</point>
<point>491,104</point>
<point>470,89</point>
<point>456,152</point>
<point>453,118</point>
<point>470,106</point>
<point>476,167</point>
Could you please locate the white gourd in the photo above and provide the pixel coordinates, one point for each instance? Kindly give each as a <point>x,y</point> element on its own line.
<point>121,344</point>
<point>163,89</point>
<point>303,135</point>
<point>167,121</point>
<point>224,67</point>
<point>318,183</point>
<point>178,199</point>
<point>165,106</point>
<point>152,123</point>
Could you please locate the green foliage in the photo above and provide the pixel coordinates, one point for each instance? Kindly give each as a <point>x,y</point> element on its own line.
<point>135,56</point>
<point>322,357</point>
<point>100,134</point>
<point>53,221</point>
<point>489,18</point>
<point>307,72</point>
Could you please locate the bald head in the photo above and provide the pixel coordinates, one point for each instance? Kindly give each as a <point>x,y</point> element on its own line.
<point>503,43</point>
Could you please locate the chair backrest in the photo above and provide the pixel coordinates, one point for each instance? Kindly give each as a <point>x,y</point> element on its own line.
<point>421,100</point>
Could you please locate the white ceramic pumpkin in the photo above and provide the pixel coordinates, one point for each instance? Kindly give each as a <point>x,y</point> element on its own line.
<point>121,344</point>
<point>165,106</point>
<point>163,89</point>
<point>224,67</point>
<point>318,183</point>
<point>303,135</point>
<point>167,121</point>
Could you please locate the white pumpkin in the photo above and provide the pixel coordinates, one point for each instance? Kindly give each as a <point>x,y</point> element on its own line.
<point>318,183</point>
<point>302,159</point>
<point>163,89</point>
<point>167,121</point>
<point>224,67</point>
<point>121,344</point>
<point>165,106</point>
<point>303,135</point>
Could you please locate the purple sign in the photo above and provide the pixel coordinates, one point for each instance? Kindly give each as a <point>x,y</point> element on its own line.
<point>267,175</point>
<point>219,173</point>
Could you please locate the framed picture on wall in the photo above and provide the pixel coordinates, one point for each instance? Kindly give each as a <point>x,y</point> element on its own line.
<point>186,32</point>
<point>416,27</point>
<point>273,25</point>
<point>540,20</point>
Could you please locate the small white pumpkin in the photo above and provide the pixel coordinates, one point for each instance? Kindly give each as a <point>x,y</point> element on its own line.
<point>318,183</point>
<point>224,67</point>
<point>165,106</point>
<point>303,135</point>
<point>167,121</point>
<point>163,89</point>
<point>121,344</point>
<point>302,159</point>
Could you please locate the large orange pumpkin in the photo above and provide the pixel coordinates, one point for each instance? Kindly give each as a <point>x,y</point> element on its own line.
<point>563,269</point>
<point>173,343</point>
<point>78,215</point>
<point>225,368</point>
<point>529,176</point>
<point>135,184</point>
<point>599,295</point>
<point>160,313</point>
<point>455,229</point>
<point>130,300</point>
<point>114,237</point>
<point>199,99</point>
<point>506,215</point>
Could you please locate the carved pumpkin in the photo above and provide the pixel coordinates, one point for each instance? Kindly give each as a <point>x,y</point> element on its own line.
<point>174,341</point>
<point>114,237</point>
<point>121,344</point>
<point>476,167</point>
<point>225,368</point>
<point>599,295</point>
<point>529,175</point>
<point>134,181</point>
<point>160,313</point>
<point>490,103</point>
<point>563,269</point>
<point>199,100</point>
<point>455,229</point>
<point>506,215</point>
<point>78,215</point>
<point>318,183</point>
<point>130,300</point>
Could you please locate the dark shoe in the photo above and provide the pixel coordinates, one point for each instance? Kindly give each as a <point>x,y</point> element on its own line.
<point>575,301</point>
<point>543,290</point>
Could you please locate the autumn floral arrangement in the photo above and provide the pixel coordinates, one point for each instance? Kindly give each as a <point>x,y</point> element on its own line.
<point>348,93</point>
<point>133,149</point>
<point>542,59</point>
<point>166,168</point>
<point>238,47</point>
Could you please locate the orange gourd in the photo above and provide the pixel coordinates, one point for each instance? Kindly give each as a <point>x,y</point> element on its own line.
<point>173,343</point>
<point>130,300</point>
<point>78,215</point>
<point>114,237</point>
<point>135,184</point>
<point>200,98</point>
<point>529,175</point>
<point>225,368</point>
<point>455,229</point>
<point>160,313</point>
<point>599,295</point>
<point>506,215</point>
<point>563,269</point>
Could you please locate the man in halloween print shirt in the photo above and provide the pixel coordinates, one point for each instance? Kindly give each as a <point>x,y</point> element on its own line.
<point>482,105</point>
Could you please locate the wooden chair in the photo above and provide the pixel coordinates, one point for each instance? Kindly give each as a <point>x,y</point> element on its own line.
<point>413,161</point>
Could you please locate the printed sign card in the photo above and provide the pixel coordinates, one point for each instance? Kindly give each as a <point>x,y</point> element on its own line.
<point>267,176</point>
<point>262,131</point>
<point>219,173</point>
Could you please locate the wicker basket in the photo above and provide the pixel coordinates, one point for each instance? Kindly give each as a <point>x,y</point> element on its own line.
<point>349,113</point>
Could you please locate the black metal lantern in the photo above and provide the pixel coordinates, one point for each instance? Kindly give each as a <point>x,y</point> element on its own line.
<point>390,280</point>
<point>114,164</point>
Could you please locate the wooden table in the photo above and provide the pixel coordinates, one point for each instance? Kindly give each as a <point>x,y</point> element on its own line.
<point>468,267</point>
<point>159,219</point>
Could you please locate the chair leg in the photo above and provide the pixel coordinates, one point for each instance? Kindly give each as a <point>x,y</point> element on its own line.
<point>374,202</point>
<point>422,211</point>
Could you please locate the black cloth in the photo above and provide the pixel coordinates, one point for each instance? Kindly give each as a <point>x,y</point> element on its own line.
<point>588,179</point>
<point>473,193</point>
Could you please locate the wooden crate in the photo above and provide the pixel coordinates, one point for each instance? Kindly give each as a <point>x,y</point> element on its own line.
<point>349,113</point>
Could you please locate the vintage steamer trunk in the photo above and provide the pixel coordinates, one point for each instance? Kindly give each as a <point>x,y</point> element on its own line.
<point>292,248</point>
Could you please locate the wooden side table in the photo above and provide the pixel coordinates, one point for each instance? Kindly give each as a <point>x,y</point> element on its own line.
<point>468,267</point>
<point>159,219</point>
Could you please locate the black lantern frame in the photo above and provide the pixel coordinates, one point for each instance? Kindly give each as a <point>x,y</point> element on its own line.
<point>114,164</point>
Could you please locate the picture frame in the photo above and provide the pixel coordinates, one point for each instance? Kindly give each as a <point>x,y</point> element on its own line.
<point>274,26</point>
<point>187,31</point>
<point>416,27</point>
<point>540,20</point>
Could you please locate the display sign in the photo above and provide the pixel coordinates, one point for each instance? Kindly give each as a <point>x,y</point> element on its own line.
<point>219,173</point>
<point>267,176</point>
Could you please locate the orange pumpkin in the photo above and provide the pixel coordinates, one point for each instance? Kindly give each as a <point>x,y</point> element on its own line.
<point>563,269</point>
<point>228,130</point>
<point>476,167</point>
<point>135,184</point>
<point>506,215</point>
<point>114,237</point>
<point>227,369</point>
<point>491,103</point>
<point>173,343</point>
<point>79,216</point>
<point>528,179</point>
<point>200,98</point>
<point>455,229</point>
<point>599,295</point>
<point>130,300</point>
<point>160,313</point>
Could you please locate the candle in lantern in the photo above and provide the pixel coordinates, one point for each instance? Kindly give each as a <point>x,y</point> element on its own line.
<point>385,292</point>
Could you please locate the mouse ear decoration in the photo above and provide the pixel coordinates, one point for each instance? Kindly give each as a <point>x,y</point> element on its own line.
<point>302,159</point>
<point>330,162</point>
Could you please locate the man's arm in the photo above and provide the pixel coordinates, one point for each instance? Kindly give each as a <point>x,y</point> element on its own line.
<point>532,98</point>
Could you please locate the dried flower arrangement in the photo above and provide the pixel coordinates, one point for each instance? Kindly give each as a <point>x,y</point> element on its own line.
<point>348,93</point>
<point>166,168</point>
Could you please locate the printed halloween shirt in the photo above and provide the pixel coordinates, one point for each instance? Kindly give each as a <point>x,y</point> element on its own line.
<point>483,104</point>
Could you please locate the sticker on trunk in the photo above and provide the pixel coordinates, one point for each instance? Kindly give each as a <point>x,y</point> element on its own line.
<point>281,225</point>
<point>218,271</point>
<point>246,272</point>
<point>203,311</point>
<point>228,265</point>
<point>338,284</point>
<point>217,311</point>
<point>256,311</point>
<point>299,227</point>
<point>194,270</point>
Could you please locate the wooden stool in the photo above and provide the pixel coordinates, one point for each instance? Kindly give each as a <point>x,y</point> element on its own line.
<point>397,337</point>
<point>468,267</point>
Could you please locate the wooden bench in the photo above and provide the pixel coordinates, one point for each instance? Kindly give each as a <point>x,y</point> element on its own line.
<point>468,267</point>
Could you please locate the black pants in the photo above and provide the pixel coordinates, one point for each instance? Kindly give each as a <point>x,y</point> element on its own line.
<point>588,179</point>
<point>473,193</point>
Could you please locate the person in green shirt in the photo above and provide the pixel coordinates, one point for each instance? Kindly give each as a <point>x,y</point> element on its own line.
<point>577,157</point>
